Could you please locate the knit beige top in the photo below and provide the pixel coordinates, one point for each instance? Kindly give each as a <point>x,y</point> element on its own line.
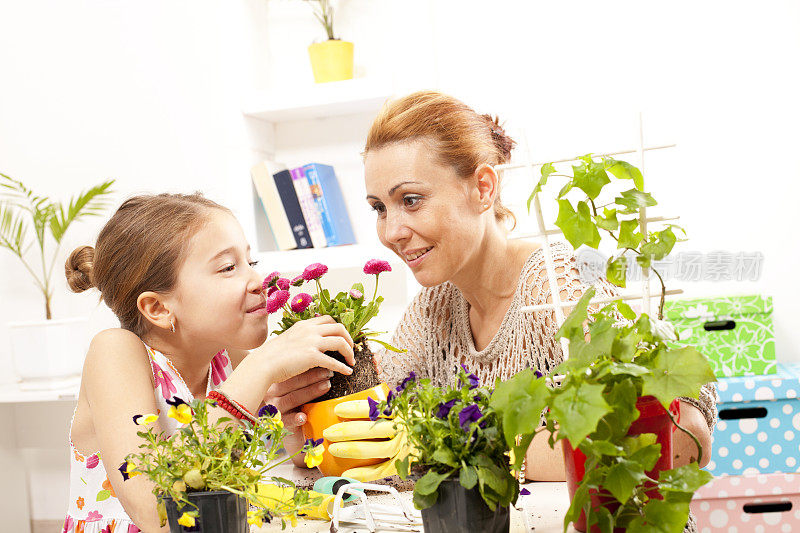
<point>435,330</point>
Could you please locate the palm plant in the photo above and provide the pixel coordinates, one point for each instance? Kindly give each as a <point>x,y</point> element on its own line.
<point>21,210</point>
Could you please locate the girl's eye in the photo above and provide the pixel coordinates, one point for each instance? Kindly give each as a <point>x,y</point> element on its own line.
<point>228,268</point>
<point>253,264</point>
<point>378,208</point>
<point>411,201</point>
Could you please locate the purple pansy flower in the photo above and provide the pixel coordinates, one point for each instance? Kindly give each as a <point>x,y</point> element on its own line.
<point>444,408</point>
<point>373,409</point>
<point>314,271</point>
<point>474,382</point>
<point>468,415</point>
<point>537,373</point>
<point>313,443</point>
<point>524,492</point>
<point>376,266</point>
<point>268,409</point>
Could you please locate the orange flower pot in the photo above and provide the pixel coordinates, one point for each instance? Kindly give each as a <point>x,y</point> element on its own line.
<point>320,416</point>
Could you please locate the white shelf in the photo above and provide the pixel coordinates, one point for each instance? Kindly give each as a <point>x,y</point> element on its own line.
<point>334,257</point>
<point>321,100</point>
<point>13,394</point>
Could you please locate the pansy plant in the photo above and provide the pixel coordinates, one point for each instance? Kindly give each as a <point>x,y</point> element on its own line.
<point>454,433</point>
<point>205,456</point>
<point>349,308</point>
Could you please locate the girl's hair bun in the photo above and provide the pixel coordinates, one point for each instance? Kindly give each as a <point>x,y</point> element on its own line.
<point>79,267</point>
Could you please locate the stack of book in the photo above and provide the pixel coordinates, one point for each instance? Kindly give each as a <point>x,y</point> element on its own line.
<point>304,206</point>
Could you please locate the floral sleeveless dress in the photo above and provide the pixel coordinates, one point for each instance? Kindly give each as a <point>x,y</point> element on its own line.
<point>93,506</point>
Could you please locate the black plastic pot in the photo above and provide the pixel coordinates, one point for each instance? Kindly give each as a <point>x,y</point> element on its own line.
<point>220,512</point>
<point>458,510</point>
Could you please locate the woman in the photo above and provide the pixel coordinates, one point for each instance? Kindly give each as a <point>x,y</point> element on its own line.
<point>429,170</point>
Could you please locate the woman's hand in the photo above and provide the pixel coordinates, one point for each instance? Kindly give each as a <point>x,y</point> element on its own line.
<point>288,396</point>
<point>303,346</point>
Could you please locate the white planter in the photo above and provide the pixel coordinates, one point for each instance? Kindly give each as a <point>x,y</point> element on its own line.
<point>48,354</point>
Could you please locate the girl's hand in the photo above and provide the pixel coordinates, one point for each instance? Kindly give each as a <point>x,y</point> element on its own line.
<point>303,346</point>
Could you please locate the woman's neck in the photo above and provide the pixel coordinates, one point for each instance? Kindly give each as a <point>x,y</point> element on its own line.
<point>489,279</point>
<point>187,359</point>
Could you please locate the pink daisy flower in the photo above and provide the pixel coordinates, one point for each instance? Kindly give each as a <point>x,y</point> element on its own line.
<point>163,380</point>
<point>376,266</point>
<point>218,364</point>
<point>301,302</point>
<point>283,284</point>
<point>270,280</point>
<point>356,294</point>
<point>271,290</point>
<point>297,281</point>
<point>276,301</point>
<point>314,271</point>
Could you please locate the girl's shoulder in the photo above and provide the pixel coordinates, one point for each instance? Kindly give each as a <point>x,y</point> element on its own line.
<point>113,353</point>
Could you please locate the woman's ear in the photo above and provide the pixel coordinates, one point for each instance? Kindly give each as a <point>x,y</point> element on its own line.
<point>487,186</point>
<point>153,308</point>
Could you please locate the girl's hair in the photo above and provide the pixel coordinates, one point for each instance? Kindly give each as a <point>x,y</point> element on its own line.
<point>461,138</point>
<point>139,249</point>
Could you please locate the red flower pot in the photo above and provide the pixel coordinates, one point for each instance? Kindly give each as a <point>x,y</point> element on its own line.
<point>653,418</point>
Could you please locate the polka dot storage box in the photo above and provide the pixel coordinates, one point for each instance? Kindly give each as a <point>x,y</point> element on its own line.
<point>758,431</point>
<point>760,503</point>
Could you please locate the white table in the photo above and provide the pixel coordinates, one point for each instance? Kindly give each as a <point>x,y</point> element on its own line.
<point>545,506</point>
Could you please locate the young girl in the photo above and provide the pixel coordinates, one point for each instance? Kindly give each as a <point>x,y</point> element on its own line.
<point>176,271</point>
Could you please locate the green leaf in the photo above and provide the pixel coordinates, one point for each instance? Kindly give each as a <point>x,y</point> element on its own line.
<point>547,169</point>
<point>519,402</point>
<point>423,501</point>
<point>577,225</point>
<point>590,177</point>
<point>402,467</point>
<point>660,244</point>
<point>347,318</point>
<point>429,483</point>
<point>625,171</point>
<point>565,189</point>
<point>677,373</point>
<point>578,410</point>
<point>622,478</point>
<point>687,478</point>
<point>604,520</point>
<point>661,516</point>
<point>608,220</point>
<point>647,456</point>
<point>572,328</point>
<point>389,346</point>
<point>617,270</point>
<point>468,476</point>
<point>628,236</point>
<point>88,203</point>
<point>445,456</point>
<point>633,200</point>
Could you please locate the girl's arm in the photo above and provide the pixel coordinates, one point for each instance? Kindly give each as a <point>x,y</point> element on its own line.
<point>118,384</point>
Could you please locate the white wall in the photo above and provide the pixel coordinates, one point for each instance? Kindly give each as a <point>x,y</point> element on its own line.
<point>150,94</point>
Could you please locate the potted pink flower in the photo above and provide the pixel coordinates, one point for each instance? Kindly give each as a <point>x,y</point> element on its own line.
<point>352,310</point>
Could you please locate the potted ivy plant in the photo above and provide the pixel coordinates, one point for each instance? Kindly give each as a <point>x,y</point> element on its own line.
<point>456,438</point>
<point>613,402</point>
<point>332,59</point>
<point>44,351</point>
<point>206,475</point>
<point>353,311</point>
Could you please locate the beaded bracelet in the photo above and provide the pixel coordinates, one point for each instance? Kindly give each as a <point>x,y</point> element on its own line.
<point>232,406</point>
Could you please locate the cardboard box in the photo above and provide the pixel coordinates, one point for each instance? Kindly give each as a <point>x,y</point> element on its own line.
<point>735,332</point>
<point>758,431</point>
<point>765,503</point>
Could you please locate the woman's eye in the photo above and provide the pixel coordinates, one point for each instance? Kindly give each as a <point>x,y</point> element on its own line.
<point>411,201</point>
<point>378,208</point>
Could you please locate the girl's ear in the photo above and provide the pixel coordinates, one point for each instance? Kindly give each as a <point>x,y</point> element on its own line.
<point>153,308</point>
<point>487,187</point>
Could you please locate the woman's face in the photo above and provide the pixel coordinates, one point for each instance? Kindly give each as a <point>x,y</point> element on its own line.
<point>427,214</point>
<point>218,296</point>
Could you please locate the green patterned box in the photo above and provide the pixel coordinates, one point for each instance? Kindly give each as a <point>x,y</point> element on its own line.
<point>734,332</point>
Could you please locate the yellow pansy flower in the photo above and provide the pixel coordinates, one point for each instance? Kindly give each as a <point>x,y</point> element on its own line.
<point>186,520</point>
<point>314,452</point>
<point>143,420</point>
<point>254,518</point>
<point>182,413</point>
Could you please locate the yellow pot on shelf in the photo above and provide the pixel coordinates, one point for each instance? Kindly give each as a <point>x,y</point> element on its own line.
<point>331,60</point>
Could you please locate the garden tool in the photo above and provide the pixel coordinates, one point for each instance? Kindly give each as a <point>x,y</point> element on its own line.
<point>372,515</point>
<point>356,438</point>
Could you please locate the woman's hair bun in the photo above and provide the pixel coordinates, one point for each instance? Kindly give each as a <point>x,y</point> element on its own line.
<point>79,267</point>
<point>500,138</point>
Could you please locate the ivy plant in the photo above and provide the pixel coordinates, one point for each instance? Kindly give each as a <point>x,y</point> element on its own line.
<point>615,358</point>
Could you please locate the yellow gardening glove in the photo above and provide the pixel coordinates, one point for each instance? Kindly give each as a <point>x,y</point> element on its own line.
<point>355,439</point>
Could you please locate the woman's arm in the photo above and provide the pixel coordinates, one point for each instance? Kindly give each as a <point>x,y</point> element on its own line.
<point>118,384</point>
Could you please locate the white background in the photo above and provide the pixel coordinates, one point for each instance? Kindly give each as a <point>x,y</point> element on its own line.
<point>150,93</point>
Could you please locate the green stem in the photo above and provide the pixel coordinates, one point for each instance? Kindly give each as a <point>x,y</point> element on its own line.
<point>374,294</point>
<point>696,442</point>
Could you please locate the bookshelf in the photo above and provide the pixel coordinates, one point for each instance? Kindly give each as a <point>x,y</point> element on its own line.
<point>327,123</point>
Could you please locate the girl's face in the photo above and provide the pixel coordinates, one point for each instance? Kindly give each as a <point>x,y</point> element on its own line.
<point>427,214</point>
<point>218,299</point>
